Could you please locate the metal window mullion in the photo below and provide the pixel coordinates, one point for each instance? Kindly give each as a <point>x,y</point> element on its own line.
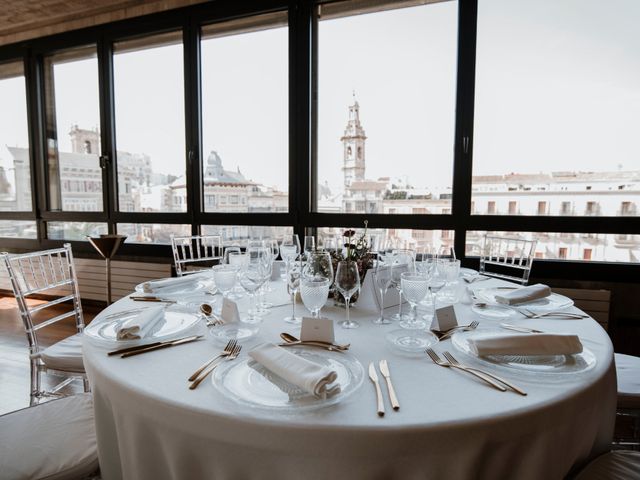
<point>193,120</point>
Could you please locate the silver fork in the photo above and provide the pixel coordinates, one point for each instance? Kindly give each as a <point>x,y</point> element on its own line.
<point>460,328</point>
<point>452,360</point>
<point>530,314</point>
<point>438,361</point>
<point>225,353</point>
<point>232,356</point>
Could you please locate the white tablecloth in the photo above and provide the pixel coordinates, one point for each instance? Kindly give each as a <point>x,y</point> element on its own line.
<point>151,426</point>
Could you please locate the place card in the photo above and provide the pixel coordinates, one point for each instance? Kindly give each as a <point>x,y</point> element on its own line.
<point>317,330</point>
<point>444,319</point>
<point>229,313</point>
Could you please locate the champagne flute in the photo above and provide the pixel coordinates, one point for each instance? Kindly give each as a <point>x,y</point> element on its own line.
<point>290,248</point>
<point>382,279</point>
<point>294,270</point>
<point>309,245</point>
<point>317,277</point>
<point>348,283</point>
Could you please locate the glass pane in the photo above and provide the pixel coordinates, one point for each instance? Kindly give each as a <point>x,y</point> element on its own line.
<point>18,229</point>
<point>245,115</point>
<point>386,109</point>
<point>598,247</point>
<point>150,131</point>
<point>235,234</point>
<point>73,130</point>
<point>15,167</point>
<point>392,238</point>
<point>151,233</point>
<point>75,230</point>
<point>556,108</point>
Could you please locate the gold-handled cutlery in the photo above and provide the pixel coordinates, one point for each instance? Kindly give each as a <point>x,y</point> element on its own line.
<point>291,340</point>
<point>374,378</point>
<point>232,356</point>
<point>438,361</point>
<point>130,352</point>
<point>384,369</point>
<point>151,299</point>
<point>452,360</point>
<point>225,353</point>
<point>460,328</point>
<point>530,314</point>
<point>517,328</point>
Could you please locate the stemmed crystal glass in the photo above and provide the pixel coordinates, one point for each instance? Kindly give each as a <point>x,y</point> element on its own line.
<point>233,256</point>
<point>317,277</point>
<point>401,261</point>
<point>309,245</point>
<point>290,248</point>
<point>414,288</point>
<point>348,283</point>
<point>253,275</point>
<point>225,277</point>
<point>294,270</point>
<point>382,279</point>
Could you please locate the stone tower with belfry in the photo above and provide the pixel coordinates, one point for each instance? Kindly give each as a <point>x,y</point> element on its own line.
<point>353,165</point>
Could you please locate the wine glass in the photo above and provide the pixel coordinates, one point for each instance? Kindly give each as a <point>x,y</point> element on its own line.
<point>290,248</point>
<point>317,277</point>
<point>253,274</point>
<point>225,277</point>
<point>401,261</point>
<point>382,280</point>
<point>414,288</point>
<point>294,270</point>
<point>348,283</point>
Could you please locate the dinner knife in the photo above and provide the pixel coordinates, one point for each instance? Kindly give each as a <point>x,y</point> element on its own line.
<point>374,378</point>
<point>384,369</point>
<point>144,345</point>
<point>162,345</point>
<point>151,299</point>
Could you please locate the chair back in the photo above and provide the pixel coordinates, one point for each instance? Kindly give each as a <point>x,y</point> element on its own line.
<point>190,251</point>
<point>38,273</point>
<point>507,258</point>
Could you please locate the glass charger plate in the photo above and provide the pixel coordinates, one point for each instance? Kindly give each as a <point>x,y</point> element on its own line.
<point>537,364</point>
<point>246,381</point>
<point>493,311</point>
<point>233,331</point>
<point>468,272</point>
<point>553,302</point>
<point>411,341</point>
<point>174,323</point>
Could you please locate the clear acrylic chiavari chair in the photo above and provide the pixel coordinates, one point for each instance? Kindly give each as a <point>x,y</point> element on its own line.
<point>48,272</point>
<point>507,258</point>
<point>196,253</point>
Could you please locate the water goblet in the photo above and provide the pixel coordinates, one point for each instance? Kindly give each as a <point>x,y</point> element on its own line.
<point>317,277</point>
<point>348,283</point>
<point>414,288</point>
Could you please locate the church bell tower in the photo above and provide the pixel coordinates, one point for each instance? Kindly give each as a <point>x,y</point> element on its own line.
<point>353,146</point>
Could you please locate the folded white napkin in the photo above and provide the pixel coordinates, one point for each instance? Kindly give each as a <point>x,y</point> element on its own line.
<point>139,326</point>
<point>525,294</point>
<point>307,375</point>
<point>155,285</point>
<point>529,344</point>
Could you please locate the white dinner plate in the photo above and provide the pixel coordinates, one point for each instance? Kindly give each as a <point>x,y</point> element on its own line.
<point>199,284</point>
<point>553,302</point>
<point>536,364</point>
<point>248,382</point>
<point>173,323</point>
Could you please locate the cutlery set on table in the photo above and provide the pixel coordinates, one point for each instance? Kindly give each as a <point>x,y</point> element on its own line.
<point>373,376</point>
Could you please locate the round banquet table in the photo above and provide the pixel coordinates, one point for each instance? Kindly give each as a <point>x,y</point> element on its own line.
<point>151,426</point>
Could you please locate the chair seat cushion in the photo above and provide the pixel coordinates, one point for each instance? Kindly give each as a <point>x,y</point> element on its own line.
<point>616,465</point>
<point>65,355</point>
<point>53,440</point>
<point>628,373</point>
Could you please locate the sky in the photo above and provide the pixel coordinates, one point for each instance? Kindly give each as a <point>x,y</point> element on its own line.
<point>557,88</point>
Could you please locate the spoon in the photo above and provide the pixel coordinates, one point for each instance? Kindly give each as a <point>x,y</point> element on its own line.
<point>207,311</point>
<point>287,337</point>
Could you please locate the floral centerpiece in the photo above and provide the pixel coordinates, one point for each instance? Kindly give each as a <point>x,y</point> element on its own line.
<point>356,248</point>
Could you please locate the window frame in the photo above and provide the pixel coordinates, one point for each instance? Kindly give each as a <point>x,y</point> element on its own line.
<point>303,87</point>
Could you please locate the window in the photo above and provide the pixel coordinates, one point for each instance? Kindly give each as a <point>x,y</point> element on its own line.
<point>562,253</point>
<point>75,230</point>
<point>239,234</point>
<point>375,149</point>
<point>15,165</point>
<point>565,208</point>
<point>491,208</point>
<point>245,112</point>
<point>149,118</point>
<point>586,254</point>
<point>548,73</point>
<point>73,130</point>
<point>513,208</point>
<point>152,233</point>
<point>18,229</point>
<point>542,208</point>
